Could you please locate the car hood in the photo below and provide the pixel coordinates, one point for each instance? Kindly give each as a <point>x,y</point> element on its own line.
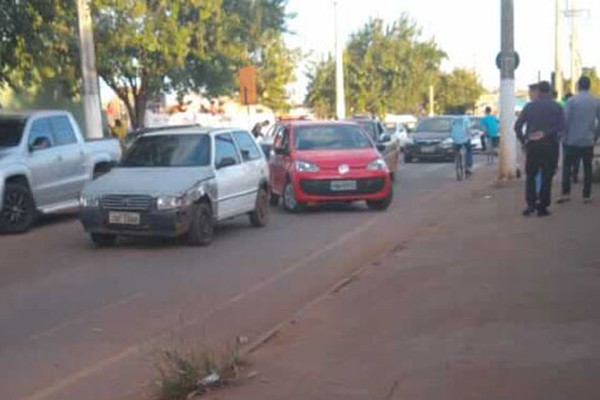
<point>332,159</point>
<point>148,181</point>
<point>429,136</point>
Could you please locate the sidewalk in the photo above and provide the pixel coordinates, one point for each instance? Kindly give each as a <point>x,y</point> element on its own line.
<point>480,304</point>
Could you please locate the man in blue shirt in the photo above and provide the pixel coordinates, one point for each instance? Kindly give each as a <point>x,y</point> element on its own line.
<point>461,137</point>
<point>490,126</point>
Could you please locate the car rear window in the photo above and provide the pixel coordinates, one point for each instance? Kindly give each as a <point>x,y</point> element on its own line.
<point>330,137</point>
<point>169,151</point>
<point>11,131</point>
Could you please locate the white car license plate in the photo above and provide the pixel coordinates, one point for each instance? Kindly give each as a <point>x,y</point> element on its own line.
<point>343,186</point>
<point>123,218</point>
<point>428,149</point>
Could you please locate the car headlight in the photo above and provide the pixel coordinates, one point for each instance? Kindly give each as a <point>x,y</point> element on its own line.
<point>447,143</point>
<point>169,203</point>
<point>377,165</point>
<point>89,201</point>
<point>304,166</point>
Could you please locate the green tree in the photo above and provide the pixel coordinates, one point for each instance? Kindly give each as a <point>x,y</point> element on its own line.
<point>388,68</point>
<point>458,91</point>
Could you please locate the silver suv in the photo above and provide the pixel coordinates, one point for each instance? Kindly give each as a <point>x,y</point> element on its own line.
<point>179,182</point>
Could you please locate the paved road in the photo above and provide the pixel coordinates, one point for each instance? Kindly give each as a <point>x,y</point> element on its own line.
<point>77,322</point>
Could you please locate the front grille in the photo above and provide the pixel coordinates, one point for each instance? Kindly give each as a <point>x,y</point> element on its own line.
<point>323,187</point>
<point>126,202</point>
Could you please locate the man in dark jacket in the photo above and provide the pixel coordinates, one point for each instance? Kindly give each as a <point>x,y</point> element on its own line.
<point>545,123</point>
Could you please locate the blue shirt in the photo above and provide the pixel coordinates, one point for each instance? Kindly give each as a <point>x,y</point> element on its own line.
<point>460,132</point>
<point>490,124</point>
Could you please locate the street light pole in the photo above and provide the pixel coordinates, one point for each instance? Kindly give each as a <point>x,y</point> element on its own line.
<point>91,96</point>
<point>558,78</point>
<point>508,145</point>
<point>340,97</point>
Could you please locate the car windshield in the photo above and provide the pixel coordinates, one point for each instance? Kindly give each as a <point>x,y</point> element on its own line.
<point>330,137</point>
<point>369,126</point>
<point>169,151</point>
<point>11,131</point>
<point>435,125</point>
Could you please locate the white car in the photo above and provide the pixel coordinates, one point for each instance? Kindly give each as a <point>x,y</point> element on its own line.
<point>398,132</point>
<point>179,183</point>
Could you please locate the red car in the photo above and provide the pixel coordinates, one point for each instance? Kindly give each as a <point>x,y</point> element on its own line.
<point>317,162</point>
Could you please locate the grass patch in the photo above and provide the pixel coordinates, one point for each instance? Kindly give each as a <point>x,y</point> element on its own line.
<point>190,373</point>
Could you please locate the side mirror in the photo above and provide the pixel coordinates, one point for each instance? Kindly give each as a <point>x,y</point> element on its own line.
<point>226,162</point>
<point>282,151</point>
<point>40,143</point>
<point>385,138</point>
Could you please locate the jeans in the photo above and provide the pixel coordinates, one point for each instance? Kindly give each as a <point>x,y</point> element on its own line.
<point>572,155</point>
<point>468,154</point>
<point>542,157</point>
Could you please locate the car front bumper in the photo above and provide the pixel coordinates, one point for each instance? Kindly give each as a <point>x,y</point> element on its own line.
<point>153,223</point>
<point>429,151</point>
<point>370,185</point>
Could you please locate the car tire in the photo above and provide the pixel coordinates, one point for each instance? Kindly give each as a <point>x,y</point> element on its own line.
<point>381,205</point>
<point>202,227</point>
<point>289,199</point>
<point>18,209</point>
<point>260,216</point>
<point>274,199</point>
<point>103,239</point>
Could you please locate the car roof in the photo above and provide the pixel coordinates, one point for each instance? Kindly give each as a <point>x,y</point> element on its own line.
<point>319,123</point>
<point>30,113</point>
<point>195,130</point>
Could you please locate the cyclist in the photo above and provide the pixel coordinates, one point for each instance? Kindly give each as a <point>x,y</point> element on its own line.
<point>461,137</point>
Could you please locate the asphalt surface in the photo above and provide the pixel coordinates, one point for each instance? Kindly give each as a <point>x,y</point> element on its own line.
<point>78,322</point>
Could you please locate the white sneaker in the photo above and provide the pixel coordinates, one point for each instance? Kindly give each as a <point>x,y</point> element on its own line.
<point>564,199</point>
<point>587,200</point>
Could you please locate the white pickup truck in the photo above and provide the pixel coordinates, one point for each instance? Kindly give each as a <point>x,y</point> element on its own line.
<point>44,164</point>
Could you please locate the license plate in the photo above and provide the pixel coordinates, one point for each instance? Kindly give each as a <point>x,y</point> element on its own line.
<point>428,149</point>
<point>123,218</point>
<point>343,186</point>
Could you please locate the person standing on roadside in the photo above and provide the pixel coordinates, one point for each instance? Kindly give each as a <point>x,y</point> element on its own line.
<point>545,121</point>
<point>582,114</point>
<point>490,126</point>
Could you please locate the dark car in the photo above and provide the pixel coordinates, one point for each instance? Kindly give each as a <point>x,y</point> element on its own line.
<point>390,150</point>
<point>431,140</point>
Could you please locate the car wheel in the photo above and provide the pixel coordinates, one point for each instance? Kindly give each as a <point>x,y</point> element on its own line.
<point>289,199</point>
<point>202,228</point>
<point>383,204</point>
<point>260,216</point>
<point>18,209</point>
<point>274,199</point>
<point>103,239</point>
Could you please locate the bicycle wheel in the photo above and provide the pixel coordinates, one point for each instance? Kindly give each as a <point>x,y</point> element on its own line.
<point>460,165</point>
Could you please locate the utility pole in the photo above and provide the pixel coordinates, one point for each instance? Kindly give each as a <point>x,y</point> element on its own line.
<point>431,100</point>
<point>558,77</point>
<point>91,96</point>
<point>573,13</point>
<point>508,61</point>
<point>340,96</point>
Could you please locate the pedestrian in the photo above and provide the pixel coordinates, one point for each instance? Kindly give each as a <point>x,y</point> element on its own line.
<point>545,123</point>
<point>575,167</point>
<point>119,130</point>
<point>582,114</point>
<point>258,127</point>
<point>490,126</point>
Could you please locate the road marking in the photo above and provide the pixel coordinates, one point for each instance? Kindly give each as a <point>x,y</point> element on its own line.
<point>74,321</point>
<point>137,349</point>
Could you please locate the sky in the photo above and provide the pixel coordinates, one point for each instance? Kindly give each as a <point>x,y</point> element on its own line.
<point>467,30</point>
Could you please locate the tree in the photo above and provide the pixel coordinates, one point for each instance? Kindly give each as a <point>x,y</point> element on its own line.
<point>387,69</point>
<point>458,91</point>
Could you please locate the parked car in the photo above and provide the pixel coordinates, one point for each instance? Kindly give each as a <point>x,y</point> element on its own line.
<point>317,162</point>
<point>398,132</point>
<point>179,183</point>
<point>390,149</point>
<point>44,165</point>
<point>477,134</point>
<point>431,140</point>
